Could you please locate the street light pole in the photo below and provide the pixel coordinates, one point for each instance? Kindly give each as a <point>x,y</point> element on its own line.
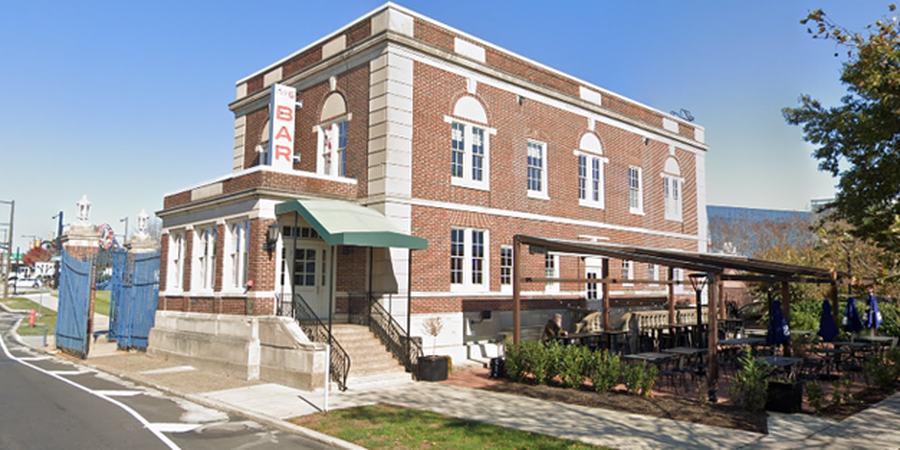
<point>12,215</point>
<point>59,230</point>
<point>125,234</point>
<point>698,282</point>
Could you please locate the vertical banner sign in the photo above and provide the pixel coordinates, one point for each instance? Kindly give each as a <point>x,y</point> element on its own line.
<point>281,129</point>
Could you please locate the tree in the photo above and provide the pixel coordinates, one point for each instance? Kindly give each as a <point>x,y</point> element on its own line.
<point>859,141</point>
<point>37,254</point>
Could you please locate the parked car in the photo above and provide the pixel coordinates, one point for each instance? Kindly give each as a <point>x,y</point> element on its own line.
<point>25,283</point>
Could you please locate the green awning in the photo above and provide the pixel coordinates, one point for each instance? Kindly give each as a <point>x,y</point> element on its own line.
<point>344,223</point>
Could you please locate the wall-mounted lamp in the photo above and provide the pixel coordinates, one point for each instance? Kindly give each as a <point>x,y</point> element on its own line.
<point>272,237</point>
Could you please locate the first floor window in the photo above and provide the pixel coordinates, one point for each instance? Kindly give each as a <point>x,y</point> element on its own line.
<point>653,271</point>
<point>239,248</point>
<point>205,251</point>
<point>468,258</point>
<point>551,270</point>
<point>627,270</point>
<point>175,276</point>
<point>506,262</point>
<point>591,288</point>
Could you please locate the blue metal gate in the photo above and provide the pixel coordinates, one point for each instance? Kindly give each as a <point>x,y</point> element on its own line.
<point>135,292</point>
<point>72,335</point>
<point>120,262</point>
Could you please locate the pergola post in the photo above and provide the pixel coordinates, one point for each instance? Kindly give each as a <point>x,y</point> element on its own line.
<point>723,312</point>
<point>517,287</point>
<point>604,275</point>
<point>713,340</point>
<point>670,276</point>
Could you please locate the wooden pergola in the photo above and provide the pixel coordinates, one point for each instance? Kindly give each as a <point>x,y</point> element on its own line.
<point>713,265</point>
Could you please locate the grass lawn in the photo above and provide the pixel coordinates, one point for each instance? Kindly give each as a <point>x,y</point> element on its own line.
<point>393,427</point>
<point>101,302</point>
<point>47,317</point>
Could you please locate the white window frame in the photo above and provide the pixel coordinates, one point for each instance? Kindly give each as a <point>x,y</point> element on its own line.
<point>678,275</point>
<point>176,262</point>
<point>506,287</point>
<point>551,272</point>
<point>467,179</point>
<point>203,264</point>
<point>653,272</point>
<point>543,192</point>
<point>468,285</point>
<point>673,203</point>
<point>237,248</point>
<point>590,179</point>
<point>639,207</point>
<point>627,271</point>
<point>331,130</point>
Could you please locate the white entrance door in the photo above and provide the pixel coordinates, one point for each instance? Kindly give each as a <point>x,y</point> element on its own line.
<point>311,275</point>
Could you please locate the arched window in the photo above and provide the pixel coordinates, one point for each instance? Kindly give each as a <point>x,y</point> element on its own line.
<point>470,163</point>
<point>672,187</point>
<point>591,171</point>
<point>331,157</point>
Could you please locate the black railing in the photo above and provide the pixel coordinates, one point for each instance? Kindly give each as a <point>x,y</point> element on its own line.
<point>316,331</point>
<point>393,337</point>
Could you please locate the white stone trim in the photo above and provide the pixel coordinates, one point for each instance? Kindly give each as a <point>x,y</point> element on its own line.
<point>670,125</point>
<point>589,95</point>
<point>468,49</point>
<point>702,220</point>
<point>272,77</point>
<point>334,46</point>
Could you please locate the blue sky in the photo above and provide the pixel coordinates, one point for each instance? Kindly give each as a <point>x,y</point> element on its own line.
<point>126,101</point>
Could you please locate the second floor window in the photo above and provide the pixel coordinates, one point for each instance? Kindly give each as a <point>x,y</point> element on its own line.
<point>333,149</point>
<point>635,190</point>
<point>590,180</point>
<point>469,164</point>
<point>672,189</point>
<point>536,164</point>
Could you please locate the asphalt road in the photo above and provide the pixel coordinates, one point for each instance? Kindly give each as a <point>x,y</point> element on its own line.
<point>47,403</point>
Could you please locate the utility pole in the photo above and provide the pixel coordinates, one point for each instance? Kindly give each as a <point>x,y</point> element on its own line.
<point>12,216</point>
<point>58,265</point>
<point>125,234</point>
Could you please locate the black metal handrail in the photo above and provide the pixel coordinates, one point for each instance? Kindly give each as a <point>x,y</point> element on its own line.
<point>316,331</point>
<point>393,336</point>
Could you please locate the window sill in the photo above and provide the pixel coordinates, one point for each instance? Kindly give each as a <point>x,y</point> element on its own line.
<point>675,219</point>
<point>591,204</point>
<point>538,195</point>
<point>469,184</point>
<point>469,289</point>
<point>636,212</point>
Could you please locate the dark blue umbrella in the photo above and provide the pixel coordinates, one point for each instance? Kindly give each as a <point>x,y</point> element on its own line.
<point>873,314</point>
<point>827,328</point>
<point>778,327</point>
<point>851,320</point>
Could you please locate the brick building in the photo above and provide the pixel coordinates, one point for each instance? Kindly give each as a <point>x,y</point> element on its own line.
<point>453,140</point>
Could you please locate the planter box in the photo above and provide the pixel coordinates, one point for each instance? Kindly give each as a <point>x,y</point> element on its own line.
<point>432,368</point>
<point>785,397</point>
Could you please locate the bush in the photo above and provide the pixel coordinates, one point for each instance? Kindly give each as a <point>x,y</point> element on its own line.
<point>815,395</point>
<point>576,363</point>
<point>749,388</point>
<point>639,378</point>
<point>516,363</point>
<point>605,371</point>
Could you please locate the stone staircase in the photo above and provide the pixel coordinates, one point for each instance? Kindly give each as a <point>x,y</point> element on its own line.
<point>370,362</point>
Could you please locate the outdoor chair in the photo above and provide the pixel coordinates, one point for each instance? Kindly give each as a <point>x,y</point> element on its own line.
<point>672,369</point>
<point>811,369</point>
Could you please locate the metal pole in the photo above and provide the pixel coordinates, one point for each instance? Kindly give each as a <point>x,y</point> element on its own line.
<point>293,262</point>
<point>670,275</point>
<point>331,295</point>
<point>125,235</point>
<point>517,286</point>
<point>713,363</point>
<point>699,333</point>
<point>408,305</point>
<point>12,214</point>
<point>604,273</point>
<point>58,265</point>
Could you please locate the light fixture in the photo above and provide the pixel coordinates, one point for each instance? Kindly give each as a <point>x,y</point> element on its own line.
<point>698,281</point>
<point>272,237</point>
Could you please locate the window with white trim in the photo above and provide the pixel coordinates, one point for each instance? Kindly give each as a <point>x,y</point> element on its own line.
<point>175,275</point>
<point>653,272</point>
<point>551,270</point>
<point>591,292</point>
<point>204,264</point>
<point>470,145</point>
<point>469,266</point>
<point>635,190</point>
<point>506,263</point>
<point>238,245</point>
<point>590,171</point>
<point>672,189</point>
<point>332,158</point>
<point>627,271</point>
<point>536,164</point>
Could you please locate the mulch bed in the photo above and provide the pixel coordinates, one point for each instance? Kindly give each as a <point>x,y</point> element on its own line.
<point>665,407</point>
<point>861,401</point>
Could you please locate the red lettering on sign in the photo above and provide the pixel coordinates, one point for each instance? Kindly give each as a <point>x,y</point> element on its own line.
<point>285,113</point>
<point>282,151</point>
<point>284,133</point>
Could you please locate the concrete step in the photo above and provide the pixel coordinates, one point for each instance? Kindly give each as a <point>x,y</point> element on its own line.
<point>356,383</point>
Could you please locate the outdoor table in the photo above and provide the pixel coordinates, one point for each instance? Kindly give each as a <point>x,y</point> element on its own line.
<point>883,341</point>
<point>853,345</point>
<point>582,339</point>
<point>687,351</point>
<point>651,357</point>
<point>832,356</point>
<point>743,341</point>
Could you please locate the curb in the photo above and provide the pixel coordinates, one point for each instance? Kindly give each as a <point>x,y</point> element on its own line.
<point>265,419</point>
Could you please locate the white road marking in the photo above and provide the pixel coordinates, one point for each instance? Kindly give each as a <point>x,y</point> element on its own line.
<point>30,358</point>
<point>162,437</point>
<point>114,393</point>
<point>68,372</point>
<point>175,369</point>
<point>173,427</point>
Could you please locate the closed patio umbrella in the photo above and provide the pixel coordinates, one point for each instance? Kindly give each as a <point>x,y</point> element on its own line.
<point>873,314</point>
<point>828,330</point>
<point>778,327</point>
<point>851,322</point>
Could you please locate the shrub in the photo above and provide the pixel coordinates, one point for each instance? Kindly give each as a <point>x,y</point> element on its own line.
<point>639,378</point>
<point>576,361</point>
<point>815,395</point>
<point>878,371</point>
<point>605,371</point>
<point>516,364</point>
<point>749,388</point>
